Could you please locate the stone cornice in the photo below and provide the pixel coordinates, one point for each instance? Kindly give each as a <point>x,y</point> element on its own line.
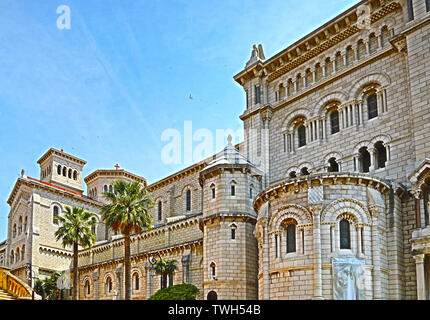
<point>318,179</point>
<point>53,151</point>
<point>323,82</point>
<point>323,39</point>
<point>177,176</point>
<point>113,173</point>
<point>144,255</point>
<point>34,183</point>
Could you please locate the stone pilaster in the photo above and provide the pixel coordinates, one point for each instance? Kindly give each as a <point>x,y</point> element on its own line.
<point>376,255</point>
<point>419,264</point>
<point>96,277</point>
<point>316,213</point>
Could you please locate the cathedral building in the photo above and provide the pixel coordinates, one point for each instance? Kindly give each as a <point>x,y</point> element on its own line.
<point>327,197</point>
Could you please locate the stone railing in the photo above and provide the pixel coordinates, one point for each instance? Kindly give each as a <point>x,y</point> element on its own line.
<point>14,285</point>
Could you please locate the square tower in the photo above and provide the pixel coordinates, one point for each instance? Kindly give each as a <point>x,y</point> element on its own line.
<point>61,169</point>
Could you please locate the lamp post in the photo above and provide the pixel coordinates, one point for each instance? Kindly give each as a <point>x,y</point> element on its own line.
<point>30,277</point>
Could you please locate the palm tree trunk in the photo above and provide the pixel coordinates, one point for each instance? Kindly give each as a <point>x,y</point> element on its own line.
<point>75,271</point>
<point>127,275</point>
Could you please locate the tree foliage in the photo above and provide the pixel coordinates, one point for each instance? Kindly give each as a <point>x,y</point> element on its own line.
<point>177,292</point>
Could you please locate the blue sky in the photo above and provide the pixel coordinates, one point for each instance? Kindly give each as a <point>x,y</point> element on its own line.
<point>106,89</point>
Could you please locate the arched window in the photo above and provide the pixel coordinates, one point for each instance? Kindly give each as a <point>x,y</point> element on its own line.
<point>233,228</point>
<point>282,91</point>
<point>233,189</point>
<point>333,165</point>
<point>345,234</point>
<point>14,231</point>
<point>290,236</point>
<point>293,174</point>
<point>373,43</point>
<point>361,49</point>
<point>75,175</point>
<point>20,225</point>
<point>188,200</point>
<point>87,287</point>
<point>334,122</point>
<point>55,214</point>
<point>301,131</point>
<point>364,160</point>
<point>110,189</point>
<point>17,255</point>
<point>213,191</point>
<point>93,227</point>
<point>58,169</point>
<point>12,257</point>
<point>70,173</point>
<point>381,154</point>
<point>213,269</point>
<point>304,171</point>
<point>25,224</point>
<point>136,281</point>
<point>212,295</point>
<point>160,210</point>
<point>372,106</point>
<point>109,285</point>
<point>64,171</point>
<point>23,252</point>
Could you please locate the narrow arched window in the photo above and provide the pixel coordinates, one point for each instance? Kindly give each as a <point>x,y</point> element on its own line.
<point>110,189</point>
<point>14,231</point>
<point>23,252</point>
<point>293,174</point>
<point>188,200</point>
<point>55,214</point>
<point>301,131</point>
<point>333,165</point>
<point>64,171</point>
<point>345,234</point>
<point>109,285</point>
<point>12,257</point>
<point>136,281</point>
<point>75,175</point>
<point>213,192</point>
<point>381,154</point>
<point>17,255</point>
<point>213,269</point>
<point>70,173</point>
<point>334,122</point>
<point>105,188</point>
<point>291,238</point>
<point>364,159</point>
<point>160,210</point>
<point>233,190</point>
<point>372,106</point>
<point>87,287</point>
<point>93,227</point>
<point>58,169</point>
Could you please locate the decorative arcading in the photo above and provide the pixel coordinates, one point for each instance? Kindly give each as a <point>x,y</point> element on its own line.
<point>385,10</point>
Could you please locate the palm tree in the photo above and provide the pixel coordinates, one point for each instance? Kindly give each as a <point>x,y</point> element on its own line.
<point>165,267</point>
<point>76,229</point>
<point>127,212</point>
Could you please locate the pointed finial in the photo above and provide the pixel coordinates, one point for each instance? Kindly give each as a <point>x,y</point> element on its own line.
<point>23,174</point>
<point>229,139</point>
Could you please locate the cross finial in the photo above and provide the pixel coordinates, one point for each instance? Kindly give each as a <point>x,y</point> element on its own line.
<point>116,166</point>
<point>229,139</point>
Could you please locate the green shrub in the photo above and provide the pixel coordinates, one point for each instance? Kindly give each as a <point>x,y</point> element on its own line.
<point>177,292</point>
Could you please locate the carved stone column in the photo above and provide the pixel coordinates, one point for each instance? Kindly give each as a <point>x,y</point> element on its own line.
<point>266,263</point>
<point>118,272</point>
<point>186,268</point>
<point>148,270</point>
<point>376,254</point>
<point>316,213</point>
<point>419,264</point>
<point>418,194</point>
<point>96,284</point>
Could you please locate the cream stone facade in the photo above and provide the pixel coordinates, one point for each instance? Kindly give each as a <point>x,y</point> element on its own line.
<point>332,179</point>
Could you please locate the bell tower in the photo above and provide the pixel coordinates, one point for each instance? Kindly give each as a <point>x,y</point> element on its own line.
<point>61,169</point>
<point>229,182</point>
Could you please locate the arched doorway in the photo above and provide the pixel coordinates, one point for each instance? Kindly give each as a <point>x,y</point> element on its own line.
<point>212,295</point>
